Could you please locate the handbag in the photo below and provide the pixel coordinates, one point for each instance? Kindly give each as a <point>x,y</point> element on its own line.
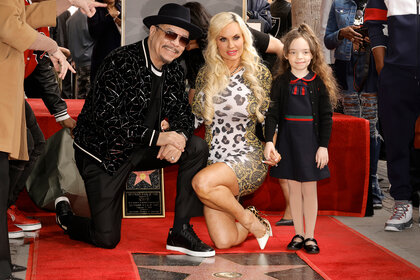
<point>55,174</point>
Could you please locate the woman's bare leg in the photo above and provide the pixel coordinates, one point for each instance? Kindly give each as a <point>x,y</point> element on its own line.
<point>216,186</point>
<point>223,229</point>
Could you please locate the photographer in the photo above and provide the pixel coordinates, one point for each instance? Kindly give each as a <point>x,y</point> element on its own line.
<point>356,74</point>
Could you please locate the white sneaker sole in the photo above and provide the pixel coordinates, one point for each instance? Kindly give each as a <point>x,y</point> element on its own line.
<point>191,253</point>
<point>32,227</point>
<point>398,227</point>
<point>16,234</point>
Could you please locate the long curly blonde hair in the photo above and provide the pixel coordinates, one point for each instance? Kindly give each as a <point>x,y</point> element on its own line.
<point>317,65</point>
<point>217,73</point>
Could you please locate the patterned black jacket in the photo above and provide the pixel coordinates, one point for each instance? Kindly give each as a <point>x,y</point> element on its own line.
<point>111,123</point>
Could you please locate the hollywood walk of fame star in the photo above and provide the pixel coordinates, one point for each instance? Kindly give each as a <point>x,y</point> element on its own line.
<point>143,176</point>
<point>260,269</point>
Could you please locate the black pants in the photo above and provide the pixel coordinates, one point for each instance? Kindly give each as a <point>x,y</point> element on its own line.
<point>104,191</point>
<point>399,107</point>
<point>20,170</point>
<point>5,262</point>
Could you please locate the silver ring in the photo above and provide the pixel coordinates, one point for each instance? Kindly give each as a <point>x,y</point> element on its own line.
<point>172,158</point>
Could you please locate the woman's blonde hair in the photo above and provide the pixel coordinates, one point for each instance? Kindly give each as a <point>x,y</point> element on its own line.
<point>317,65</point>
<point>216,72</point>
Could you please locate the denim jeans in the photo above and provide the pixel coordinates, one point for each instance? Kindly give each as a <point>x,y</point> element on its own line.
<point>375,146</point>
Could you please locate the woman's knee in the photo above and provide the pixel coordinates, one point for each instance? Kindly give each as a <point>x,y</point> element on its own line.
<point>201,184</point>
<point>223,242</point>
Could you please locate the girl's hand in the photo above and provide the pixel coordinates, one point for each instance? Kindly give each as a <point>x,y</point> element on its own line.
<point>321,157</point>
<point>272,157</point>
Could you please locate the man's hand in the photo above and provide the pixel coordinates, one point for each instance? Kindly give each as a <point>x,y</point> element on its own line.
<point>169,153</point>
<point>321,157</point>
<point>68,123</point>
<point>350,33</point>
<point>172,138</point>
<point>88,7</point>
<point>61,64</point>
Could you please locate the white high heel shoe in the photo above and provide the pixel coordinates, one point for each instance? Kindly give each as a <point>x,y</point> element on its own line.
<point>262,241</point>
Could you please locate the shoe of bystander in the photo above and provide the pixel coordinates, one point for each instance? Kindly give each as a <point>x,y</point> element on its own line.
<point>21,220</point>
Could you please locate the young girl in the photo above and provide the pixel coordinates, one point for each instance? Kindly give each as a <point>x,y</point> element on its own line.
<point>302,96</point>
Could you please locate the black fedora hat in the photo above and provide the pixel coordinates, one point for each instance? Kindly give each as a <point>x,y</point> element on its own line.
<point>177,15</point>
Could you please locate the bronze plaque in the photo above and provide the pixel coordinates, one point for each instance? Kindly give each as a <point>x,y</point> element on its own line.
<point>144,195</point>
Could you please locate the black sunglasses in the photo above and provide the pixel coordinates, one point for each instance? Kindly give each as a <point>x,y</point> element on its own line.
<point>170,35</point>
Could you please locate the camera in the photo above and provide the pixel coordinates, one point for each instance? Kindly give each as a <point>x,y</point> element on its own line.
<point>363,31</point>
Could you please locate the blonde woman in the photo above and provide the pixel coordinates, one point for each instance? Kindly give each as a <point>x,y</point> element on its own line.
<point>232,95</point>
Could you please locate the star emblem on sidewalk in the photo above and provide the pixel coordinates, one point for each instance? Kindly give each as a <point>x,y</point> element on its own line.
<point>232,266</point>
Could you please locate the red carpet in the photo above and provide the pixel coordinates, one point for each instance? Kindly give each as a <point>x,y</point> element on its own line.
<point>345,254</point>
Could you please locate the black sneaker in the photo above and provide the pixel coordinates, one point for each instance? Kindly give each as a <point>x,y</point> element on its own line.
<point>63,212</point>
<point>187,242</point>
<point>11,277</point>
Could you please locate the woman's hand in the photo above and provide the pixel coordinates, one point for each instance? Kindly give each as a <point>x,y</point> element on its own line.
<point>272,157</point>
<point>60,63</point>
<point>169,153</point>
<point>164,125</point>
<point>321,157</point>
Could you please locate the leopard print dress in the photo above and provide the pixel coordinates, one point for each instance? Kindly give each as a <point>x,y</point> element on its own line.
<point>231,136</point>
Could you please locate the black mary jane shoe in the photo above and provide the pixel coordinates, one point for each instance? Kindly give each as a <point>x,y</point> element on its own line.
<point>284,222</point>
<point>294,244</point>
<point>312,248</point>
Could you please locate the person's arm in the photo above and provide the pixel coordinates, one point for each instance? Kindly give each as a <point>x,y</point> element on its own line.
<point>87,7</point>
<point>325,116</point>
<point>376,19</point>
<point>59,60</point>
<point>47,85</point>
<point>99,23</point>
<point>379,56</point>
<point>273,114</point>
<point>41,14</point>
<point>275,46</point>
<point>331,37</point>
<point>197,103</point>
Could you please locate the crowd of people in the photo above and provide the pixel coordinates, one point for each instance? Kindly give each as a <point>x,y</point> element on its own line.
<point>258,118</point>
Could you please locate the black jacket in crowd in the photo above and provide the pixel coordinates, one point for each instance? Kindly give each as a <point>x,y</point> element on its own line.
<point>42,83</point>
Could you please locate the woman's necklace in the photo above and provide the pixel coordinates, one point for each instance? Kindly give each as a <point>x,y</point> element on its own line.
<point>234,71</point>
